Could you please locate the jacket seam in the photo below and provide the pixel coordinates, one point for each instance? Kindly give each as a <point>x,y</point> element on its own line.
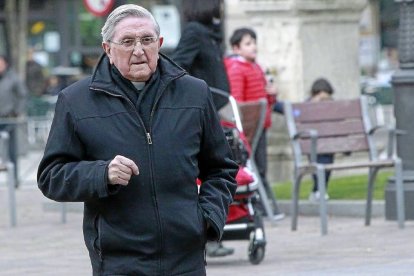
<point>102,116</point>
<point>185,107</point>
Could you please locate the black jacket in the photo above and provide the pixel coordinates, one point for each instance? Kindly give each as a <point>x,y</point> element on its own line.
<point>199,53</point>
<point>156,224</point>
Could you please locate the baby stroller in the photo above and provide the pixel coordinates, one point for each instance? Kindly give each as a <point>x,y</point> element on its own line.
<point>244,221</point>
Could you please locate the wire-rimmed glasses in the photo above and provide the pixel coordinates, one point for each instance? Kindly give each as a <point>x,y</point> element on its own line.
<point>129,43</point>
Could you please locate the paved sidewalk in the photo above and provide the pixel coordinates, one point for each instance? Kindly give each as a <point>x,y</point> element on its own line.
<point>42,245</point>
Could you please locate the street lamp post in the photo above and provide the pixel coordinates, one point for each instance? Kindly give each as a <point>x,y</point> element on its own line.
<point>403,84</point>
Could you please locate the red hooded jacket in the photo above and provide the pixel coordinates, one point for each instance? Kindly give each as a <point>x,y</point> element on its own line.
<point>248,83</point>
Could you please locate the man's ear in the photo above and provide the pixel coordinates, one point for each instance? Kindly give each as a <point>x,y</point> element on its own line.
<point>161,40</point>
<point>107,50</point>
<point>235,49</point>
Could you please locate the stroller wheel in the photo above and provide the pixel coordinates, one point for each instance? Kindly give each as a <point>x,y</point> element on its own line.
<point>256,249</point>
<point>256,255</point>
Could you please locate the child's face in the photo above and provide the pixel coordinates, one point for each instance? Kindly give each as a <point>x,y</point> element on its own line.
<point>247,48</point>
<point>321,96</point>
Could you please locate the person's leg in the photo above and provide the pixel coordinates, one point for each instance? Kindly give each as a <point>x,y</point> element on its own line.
<point>261,163</point>
<point>11,129</point>
<point>278,107</point>
<point>322,159</point>
<point>261,159</point>
<point>216,249</point>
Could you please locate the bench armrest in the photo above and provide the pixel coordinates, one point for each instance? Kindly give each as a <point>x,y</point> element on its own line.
<point>392,134</point>
<point>375,128</point>
<point>313,135</point>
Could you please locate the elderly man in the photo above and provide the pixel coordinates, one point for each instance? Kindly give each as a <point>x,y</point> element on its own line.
<point>130,142</point>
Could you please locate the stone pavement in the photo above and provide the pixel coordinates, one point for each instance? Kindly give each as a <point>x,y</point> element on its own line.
<point>42,245</point>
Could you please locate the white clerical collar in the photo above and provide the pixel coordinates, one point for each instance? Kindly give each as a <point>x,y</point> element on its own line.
<point>139,85</point>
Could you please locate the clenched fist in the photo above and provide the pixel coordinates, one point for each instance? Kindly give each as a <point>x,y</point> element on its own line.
<point>120,170</point>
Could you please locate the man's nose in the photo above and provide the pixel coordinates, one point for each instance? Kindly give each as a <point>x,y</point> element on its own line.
<point>138,49</point>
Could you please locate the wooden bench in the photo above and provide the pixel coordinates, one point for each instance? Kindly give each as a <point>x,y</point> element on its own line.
<point>337,127</point>
<point>6,166</point>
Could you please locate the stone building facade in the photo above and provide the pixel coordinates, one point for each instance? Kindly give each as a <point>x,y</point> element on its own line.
<point>299,41</point>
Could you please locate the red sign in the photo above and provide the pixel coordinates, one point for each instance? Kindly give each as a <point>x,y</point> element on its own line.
<point>99,7</point>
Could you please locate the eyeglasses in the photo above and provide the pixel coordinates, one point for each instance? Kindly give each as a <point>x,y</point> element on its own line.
<point>129,43</point>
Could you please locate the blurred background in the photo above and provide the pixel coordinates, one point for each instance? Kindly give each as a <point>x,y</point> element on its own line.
<point>353,43</point>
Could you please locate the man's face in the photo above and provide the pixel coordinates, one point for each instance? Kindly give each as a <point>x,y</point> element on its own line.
<point>136,63</point>
<point>247,48</point>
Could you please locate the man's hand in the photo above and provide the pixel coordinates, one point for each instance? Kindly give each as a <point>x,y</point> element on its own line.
<point>120,170</point>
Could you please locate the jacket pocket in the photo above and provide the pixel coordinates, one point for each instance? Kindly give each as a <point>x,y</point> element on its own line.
<point>97,241</point>
<point>203,223</point>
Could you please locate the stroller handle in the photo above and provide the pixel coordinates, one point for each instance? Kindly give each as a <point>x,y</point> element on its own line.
<point>233,104</point>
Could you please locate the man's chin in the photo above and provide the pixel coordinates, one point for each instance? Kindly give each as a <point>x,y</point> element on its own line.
<point>140,76</point>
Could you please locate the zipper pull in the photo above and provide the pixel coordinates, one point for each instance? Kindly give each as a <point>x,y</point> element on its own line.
<point>149,138</point>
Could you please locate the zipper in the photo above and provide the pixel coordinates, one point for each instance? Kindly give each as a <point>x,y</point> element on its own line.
<point>149,138</point>
<point>155,202</point>
<point>149,141</point>
<point>157,100</point>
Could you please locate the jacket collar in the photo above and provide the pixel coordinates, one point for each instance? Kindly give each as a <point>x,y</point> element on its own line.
<point>103,78</point>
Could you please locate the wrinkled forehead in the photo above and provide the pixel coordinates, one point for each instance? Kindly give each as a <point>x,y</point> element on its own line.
<point>135,26</point>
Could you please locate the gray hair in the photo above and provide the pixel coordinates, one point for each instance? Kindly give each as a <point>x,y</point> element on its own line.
<point>122,12</point>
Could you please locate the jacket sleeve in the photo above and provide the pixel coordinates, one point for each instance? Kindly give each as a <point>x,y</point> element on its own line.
<point>63,173</point>
<point>187,49</point>
<point>21,94</point>
<point>236,80</point>
<point>217,173</point>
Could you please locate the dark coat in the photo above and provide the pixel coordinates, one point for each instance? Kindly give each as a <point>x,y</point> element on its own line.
<point>199,53</point>
<point>13,94</point>
<point>156,224</point>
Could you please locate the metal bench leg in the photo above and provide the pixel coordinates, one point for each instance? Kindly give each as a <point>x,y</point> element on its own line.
<point>399,193</point>
<point>320,173</point>
<point>12,193</point>
<point>371,180</point>
<point>295,201</point>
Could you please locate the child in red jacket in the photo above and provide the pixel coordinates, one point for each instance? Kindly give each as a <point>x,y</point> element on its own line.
<point>248,83</point>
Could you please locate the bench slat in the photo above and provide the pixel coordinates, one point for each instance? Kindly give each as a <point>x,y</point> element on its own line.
<point>336,145</point>
<point>335,128</point>
<point>355,165</point>
<point>327,110</point>
<point>251,113</point>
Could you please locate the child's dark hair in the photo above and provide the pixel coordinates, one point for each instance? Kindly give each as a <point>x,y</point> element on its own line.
<point>201,11</point>
<point>238,35</point>
<point>321,84</point>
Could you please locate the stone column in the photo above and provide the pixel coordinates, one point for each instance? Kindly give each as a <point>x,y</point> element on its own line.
<point>403,84</point>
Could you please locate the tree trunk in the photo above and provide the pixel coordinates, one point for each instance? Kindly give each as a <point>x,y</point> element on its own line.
<point>23,21</point>
<point>16,25</point>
